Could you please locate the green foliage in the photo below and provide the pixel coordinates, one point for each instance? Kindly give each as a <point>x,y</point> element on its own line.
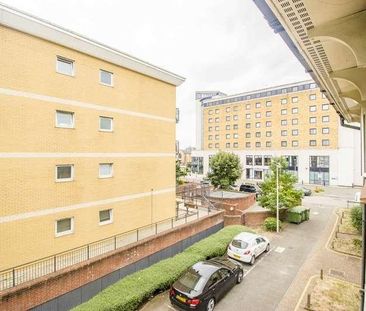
<point>130,292</point>
<point>357,243</point>
<point>225,170</point>
<point>179,172</point>
<point>356,218</point>
<point>289,197</point>
<point>270,223</point>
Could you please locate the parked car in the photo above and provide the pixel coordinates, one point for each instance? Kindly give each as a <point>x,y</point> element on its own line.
<point>251,188</point>
<point>305,191</point>
<point>205,283</point>
<point>246,247</point>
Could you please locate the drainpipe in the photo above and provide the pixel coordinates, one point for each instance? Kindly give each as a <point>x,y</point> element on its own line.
<point>362,290</point>
<point>353,127</point>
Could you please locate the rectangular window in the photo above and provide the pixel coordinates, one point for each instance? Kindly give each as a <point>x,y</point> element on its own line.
<point>247,135</point>
<point>312,96</point>
<point>210,112</point>
<point>257,115</point>
<point>217,111</point>
<point>216,137</point>
<point>249,160</point>
<point>268,144</point>
<point>227,127</point>
<point>325,142</point>
<point>258,160</point>
<point>106,169</point>
<point>216,145</point>
<point>295,143</point>
<point>325,107</point>
<point>312,108</point>
<point>312,131</point>
<point>325,119</point>
<point>236,135</point>
<point>312,85</point>
<point>65,66</point>
<point>247,125</point>
<point>295,121</point>
<point>312,120</point>
<point>228,118</point>
<point>268,103</point>
<point>268,113</point>
<point>105,217</point>
<point>247,116</point>
<point>284,101</point>
<point>283,111</point>
<point>64,119</point>
<point>209,145</point>
<point>258,124</point>
<point>247,145</point>
<point>267,160</point>
<point>268,124</point>
<point>105,124</point>
<point>235,117</point>
<point>210,120</point>
<point>247,106</point>
<point>325,130</point>
<point>210,129</point>
<point>235,127</point>
<point>235,108</point>
<point>283,143</point>
<point>257,144</point>
<point>283,133</point>
<point>257,105</point>
<point>106,77</point>
<point>64,226</point>
<point>64,172</point>
<point>217,120</point>
<point>217,128</point>
<point>268,134</point>
<point>283,122</point>
<point>227,109</point>
<point>312,142</point>
<point>295,110</point>
<point>235,145</point>
<point>295,132</point>
<point>257,134</point>
<point>294,99</point>
<point>209,137</point>
<point>227,145</point>
<point>227,136</point>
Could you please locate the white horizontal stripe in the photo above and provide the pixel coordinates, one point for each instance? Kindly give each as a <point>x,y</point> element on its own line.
<point>11,155</point>
<point>80,104</point>
<point>50,211</point>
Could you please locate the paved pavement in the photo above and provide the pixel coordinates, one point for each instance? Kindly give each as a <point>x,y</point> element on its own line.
<point>278,278</point>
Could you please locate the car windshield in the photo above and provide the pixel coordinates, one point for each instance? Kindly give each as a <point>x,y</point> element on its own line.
<point>239,244</point>
<point>192,280</point>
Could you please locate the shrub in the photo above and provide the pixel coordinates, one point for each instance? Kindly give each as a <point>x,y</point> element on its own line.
<point>356,218</point>
<point>270,223</point>
<point>357,243</point>
<point>130,292</point>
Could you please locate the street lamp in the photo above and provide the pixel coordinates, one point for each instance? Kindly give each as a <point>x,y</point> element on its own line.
<point>277,200</point>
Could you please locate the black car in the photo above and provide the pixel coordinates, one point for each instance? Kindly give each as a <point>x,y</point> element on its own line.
<point>205,283</point>
<point>250,188</point>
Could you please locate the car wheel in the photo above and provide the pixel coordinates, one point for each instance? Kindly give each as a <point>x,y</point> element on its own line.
<point>211,305</point>
<point>252,261</point>
<point>239,277</point>
<point>268,248</point>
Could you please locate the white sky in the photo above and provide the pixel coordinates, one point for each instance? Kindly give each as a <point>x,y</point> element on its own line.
<point>215,44</point>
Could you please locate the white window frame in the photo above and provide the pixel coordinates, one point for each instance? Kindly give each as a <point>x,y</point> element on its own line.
<point>65,60</point>
<point>312,108</point>
<point>294,99</point>
<point>65,179</point>
<point>295,110</point>
<point>283,112</point>
<point>106,222</point>
<point>100,77</point>
<point>104,130</point>
<point>325,130</point>
<point>312,97</point>
<point>111,173</point>
<point>71,231</point>
<point>325,105</point>
<point>65,126</point>
<point>326,118</point>
<point>268,103</point>
<point>283,101</point>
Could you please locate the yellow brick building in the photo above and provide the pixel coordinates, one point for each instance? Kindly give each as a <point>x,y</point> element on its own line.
<point>87,140</point>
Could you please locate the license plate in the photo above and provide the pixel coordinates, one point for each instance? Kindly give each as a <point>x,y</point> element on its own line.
<point>182,299</point>
<point>237,256</point>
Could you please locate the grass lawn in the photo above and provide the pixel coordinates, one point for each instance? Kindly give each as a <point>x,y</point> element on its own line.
<point>347,245</point>
<point>335,295</point>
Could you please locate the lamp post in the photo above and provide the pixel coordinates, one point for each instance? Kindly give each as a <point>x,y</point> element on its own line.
<point>277,201</point>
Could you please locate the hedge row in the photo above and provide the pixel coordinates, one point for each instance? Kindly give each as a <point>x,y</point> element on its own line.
<point>130,292</point>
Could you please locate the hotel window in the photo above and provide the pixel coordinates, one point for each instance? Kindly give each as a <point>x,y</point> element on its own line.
<point>236,135</point>
<point>209,137</point>
<point>268,134</point>
<point>258,160</point>
<point>312,120</point>
<point>283,143</point>
<point>268,144</point>
<point>312,85</point>
<point>217,120</point>
<point>268,113</point>
<point>295,110</point>
<point>312,108</point>
<point>227,136</point>
<point>209,145</point>
<point>247,116</point>
<point>106,77</point>
<point>295,121</point>
<point>312,131</point>
<point>64,172</point>
<point>227,145</point>
<point>268,103</point>
<point>249,160</point>
<point>235,117</point>
<point>247,135</point>
<point>210,120</point>
<point>325,107</point>
<point>267,160</point>
<point>235,127</point>
<point>247,145</point>
<point>284,101</point>
<point>257,115</point>
<point>294,99</point>
<point>257,105</point>
<point>312,96</point>
<point>257,124</point>
<point>257,134</point>
<point>284,133</point>
<point>325,142</point>
<point>312,142</point>
<point>210,112</point>
<point>105,217</point>
<point>268,124</point>
<point>295,143</point>
<point>247,125</point>
<point>217,128</point>
<point>257,144</point>
<point>283,122</point>
<point>325,119</point>
<point>228,118</point>
<point>65,66</point>
<point>235,145</point>
<point>64,119</point>
<point>294,89</point>
<point>210,128</point>
<point>283,111</point>
<point>216,145</point>
<point>106,169</point>
<point>247,106</point>
<point>227,127</point>
<point>216,137</point>
<point>64,226</point>
<point>295,132</point>
<point>227,109</point>
<point>235,108</point>
<point>325,130</point>
<point>217,111</point>
<point>105,124</point>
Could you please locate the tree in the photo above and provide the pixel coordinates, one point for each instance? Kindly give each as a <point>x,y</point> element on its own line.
<point>179,172</point>
<point>225,170</point>
<point>289,197</point>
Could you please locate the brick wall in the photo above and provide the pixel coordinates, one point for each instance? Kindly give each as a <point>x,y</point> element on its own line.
<point>241,203</point>
<point>32,294</point>
<point>255,218</point>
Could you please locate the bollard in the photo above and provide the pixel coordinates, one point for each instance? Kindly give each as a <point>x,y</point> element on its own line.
<point>308,302</point>
<point>321,274</point>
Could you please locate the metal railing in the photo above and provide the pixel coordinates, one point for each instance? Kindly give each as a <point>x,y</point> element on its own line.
<point>30,271</point>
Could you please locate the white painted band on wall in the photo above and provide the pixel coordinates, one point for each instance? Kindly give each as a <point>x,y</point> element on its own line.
<point>76,103</point>
<point>26,155</point>
<point>51,211</point>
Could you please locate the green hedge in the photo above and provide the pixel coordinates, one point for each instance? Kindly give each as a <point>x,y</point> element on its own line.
<point>130,292</point>
<point>356,218</point>
<point>270,223</point>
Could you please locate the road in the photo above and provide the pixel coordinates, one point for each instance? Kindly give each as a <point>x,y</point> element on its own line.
<point>267,282</point>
